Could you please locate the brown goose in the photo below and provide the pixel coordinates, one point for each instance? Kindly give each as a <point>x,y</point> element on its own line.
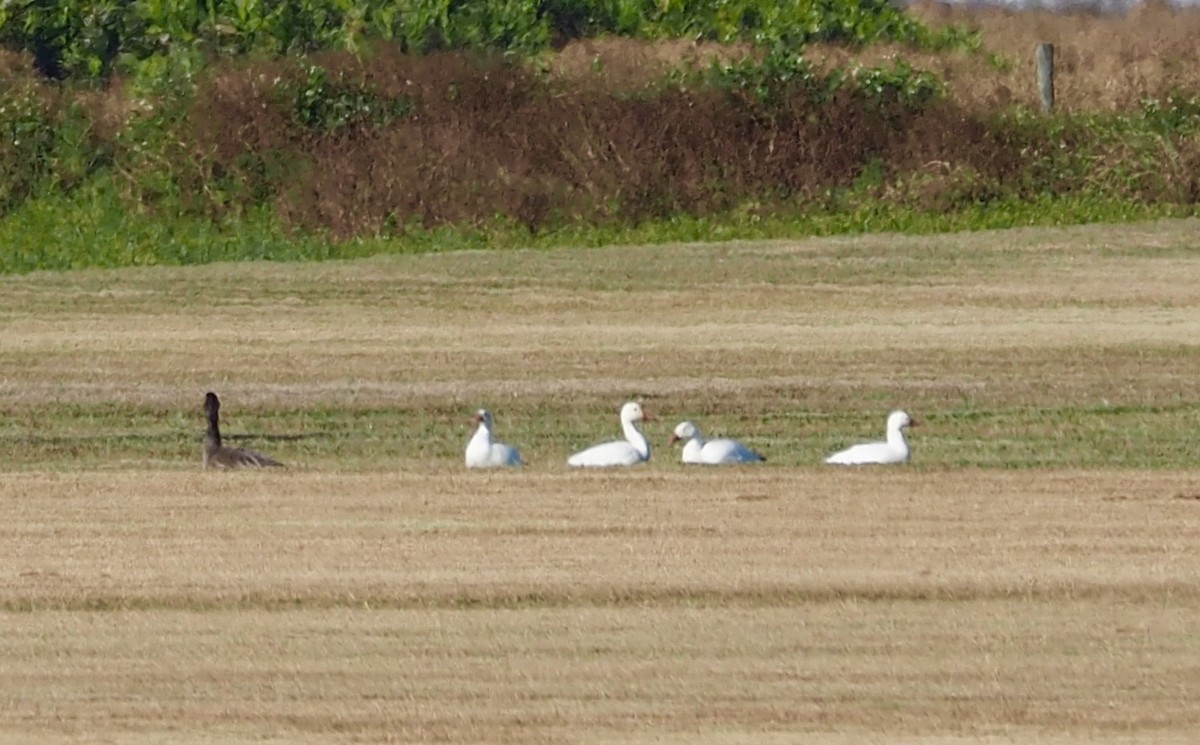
<point>217,455</point>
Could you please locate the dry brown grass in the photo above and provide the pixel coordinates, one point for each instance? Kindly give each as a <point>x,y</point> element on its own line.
<point>626,64</point>
<point>1103,62</point>
<point>542,319</point>
<point>376,591</point>
<point>723,607</point>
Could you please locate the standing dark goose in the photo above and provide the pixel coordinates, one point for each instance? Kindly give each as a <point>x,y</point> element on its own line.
<point>217,455</point>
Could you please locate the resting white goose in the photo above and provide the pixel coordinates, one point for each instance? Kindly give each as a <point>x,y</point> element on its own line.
<point>720,451</point>
<point>482,452</point>
<point>634,449</point>
<point>894,450</point>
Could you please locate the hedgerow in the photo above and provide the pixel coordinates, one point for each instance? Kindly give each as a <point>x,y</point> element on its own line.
<point>318,118</point>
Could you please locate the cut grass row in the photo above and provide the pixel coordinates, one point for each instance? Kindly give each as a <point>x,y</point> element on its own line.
<point>150,540</point>
<point>831,674</point>
<point>1018,349</point>
<point>1122,436</point>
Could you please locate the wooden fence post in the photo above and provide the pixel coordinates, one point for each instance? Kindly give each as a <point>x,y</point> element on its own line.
<point>1045,75</point>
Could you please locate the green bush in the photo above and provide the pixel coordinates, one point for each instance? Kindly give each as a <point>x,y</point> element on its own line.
<point>47,141</point>
<point>27,135</point>
<point>330,102</point>
<point>780,74</point>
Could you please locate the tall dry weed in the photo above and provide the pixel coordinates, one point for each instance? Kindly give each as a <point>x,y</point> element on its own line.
<point>1103,62</point>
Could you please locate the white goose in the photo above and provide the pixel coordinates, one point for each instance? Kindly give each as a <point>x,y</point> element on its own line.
<point>482,452</point>
<point>894,450</point>
<point>634,449</point>
<point>711,452</point>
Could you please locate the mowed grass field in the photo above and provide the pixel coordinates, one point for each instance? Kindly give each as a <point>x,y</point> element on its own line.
<point>1031,577</point>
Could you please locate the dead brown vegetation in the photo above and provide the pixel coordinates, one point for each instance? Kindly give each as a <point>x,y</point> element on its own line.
<point>495,138</point>
<point>1103,62</point>
<point>634,607</point>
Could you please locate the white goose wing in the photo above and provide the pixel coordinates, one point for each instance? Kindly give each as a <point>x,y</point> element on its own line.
<point>867,454</point>
<point>503,454</point>
<point>693,452</point>
<point>723,451</point>
<point>615,453</point>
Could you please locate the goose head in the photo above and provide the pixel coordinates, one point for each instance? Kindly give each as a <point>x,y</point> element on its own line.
<point>632,412</point>
<point>898,420</point>
<point>484,417</point>
<point>684,431</point>
<point>212,404</point>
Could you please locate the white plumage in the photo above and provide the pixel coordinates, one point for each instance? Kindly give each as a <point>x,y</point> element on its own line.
<point>719,451</point>
<point>893,450</point>
<point>482,452</point>
<point>634,449</point>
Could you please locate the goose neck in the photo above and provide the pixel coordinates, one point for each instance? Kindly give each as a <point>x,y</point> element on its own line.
<point>482,435</point>
<point>213,436</point>
<point>635,437</point>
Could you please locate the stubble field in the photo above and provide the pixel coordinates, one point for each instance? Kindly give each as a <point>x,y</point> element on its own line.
<point>1032,576</point>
